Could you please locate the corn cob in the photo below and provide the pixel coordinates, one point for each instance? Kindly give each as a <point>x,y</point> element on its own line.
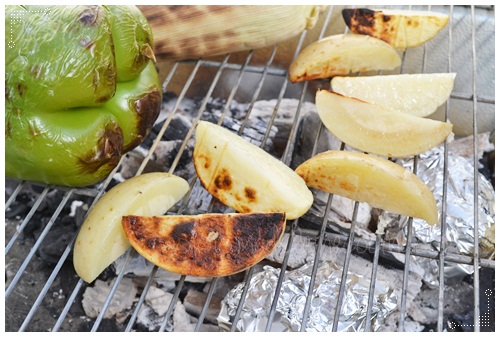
<point>188,32</point>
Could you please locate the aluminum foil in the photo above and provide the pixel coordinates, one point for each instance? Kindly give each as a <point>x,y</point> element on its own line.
<point>292,299</point>
<point>459,214</point>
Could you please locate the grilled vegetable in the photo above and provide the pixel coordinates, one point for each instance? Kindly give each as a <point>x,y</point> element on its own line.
<point>342,54</point>
<point>416,94</point>
<point>80,90</point>
<point>101,239</point>
<point>400,28</point>
<point>245,177</point>
<point>376,181</point>
<point>378,130</point>
<point>207,245</point>
<point>184,32</point>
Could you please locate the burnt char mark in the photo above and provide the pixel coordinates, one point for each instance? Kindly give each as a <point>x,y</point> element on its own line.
<point>133,225</point>
<point>211,233</point>
<point>357,17</point>
<point>143,231</point>
<point>104,77</point>
<point>223,180</point>
<point>8,129</point>
<point>107,151</point>
<point>197,245</point>
<point>153,243</point>
<point>253,233</point>
<point>90,16</point>
<point>182,232</point>
<point>7,91</point>
<point>147,108</point>
<point>208,161</point>
<point>250,194</point>
<point>130,220</point>
<point>21,88</point>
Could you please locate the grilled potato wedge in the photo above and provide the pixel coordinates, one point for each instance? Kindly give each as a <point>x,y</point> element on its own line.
<point>101,239</point>
<point>415,94</point>
<point>206,245</point>
<point>376,181</point>
<point>244,176</point>
<point>400,28</point>
<point>342,54</point>
<point>372,128</point>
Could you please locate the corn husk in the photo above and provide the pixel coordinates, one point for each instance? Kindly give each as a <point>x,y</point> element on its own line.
<point>188,32</point>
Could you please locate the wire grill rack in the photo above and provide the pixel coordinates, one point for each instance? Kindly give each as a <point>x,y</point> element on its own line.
<point>476,95</point>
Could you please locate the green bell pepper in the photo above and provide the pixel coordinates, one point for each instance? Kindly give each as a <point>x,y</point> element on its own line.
<point>81,89</point>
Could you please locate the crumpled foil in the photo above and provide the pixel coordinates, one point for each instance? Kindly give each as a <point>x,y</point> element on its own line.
<point>459,214</point>
<point>292,299</point>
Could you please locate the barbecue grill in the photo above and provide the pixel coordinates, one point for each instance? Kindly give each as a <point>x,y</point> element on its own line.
<point>465,46</point>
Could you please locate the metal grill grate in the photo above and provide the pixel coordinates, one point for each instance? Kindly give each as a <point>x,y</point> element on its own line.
<point>265,75</point>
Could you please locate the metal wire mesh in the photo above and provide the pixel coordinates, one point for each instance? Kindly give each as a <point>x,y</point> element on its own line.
<point>321,235</point>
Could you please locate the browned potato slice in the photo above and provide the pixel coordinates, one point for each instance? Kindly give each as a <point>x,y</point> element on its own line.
<point>376,181</point>
<point>206,245</point>
<point>400,28</point>
<point>245,177</point>
<point>342,54</point>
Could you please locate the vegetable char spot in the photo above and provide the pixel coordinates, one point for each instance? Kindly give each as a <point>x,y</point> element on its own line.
<point>90,16</point>
<point>223,180</point>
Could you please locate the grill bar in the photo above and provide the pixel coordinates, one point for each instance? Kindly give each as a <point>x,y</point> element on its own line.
<point>345,269</point>
<point>258,90</point>
<point>172,303</point>
<point>207,303</point>
<point>477,322</point>
<point>37,244</point>
<point>409,238</point>
<point>370,246</point>
<point>445,196</point>
<point>279,283</point>
<point>14,194</point>
<point>317,255</point>
<point>47,285</point>
<point>141,299</point>
<point>27,219</point>
<point>373,276</point>
<point>321,235</point>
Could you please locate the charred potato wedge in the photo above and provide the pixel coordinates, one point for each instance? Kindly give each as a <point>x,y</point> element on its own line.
<point>245,177</point>
<point>206,245</point>
<point>342,54</point>
<point>375,129</point>
<point>400,28</point>
<point>101,239</point>
<point>415,94</point>
<point>376,181</point>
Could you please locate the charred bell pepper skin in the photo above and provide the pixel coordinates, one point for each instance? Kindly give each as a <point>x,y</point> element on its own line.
<point>77,96</point>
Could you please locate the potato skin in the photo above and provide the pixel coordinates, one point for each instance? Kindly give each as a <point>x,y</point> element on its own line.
<point>207,245</point>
